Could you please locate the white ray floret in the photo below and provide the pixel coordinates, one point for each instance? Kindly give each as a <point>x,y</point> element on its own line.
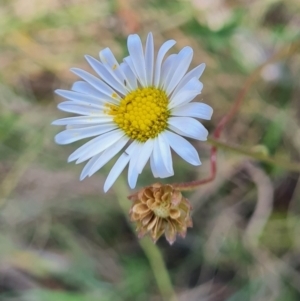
<point>141,107</point>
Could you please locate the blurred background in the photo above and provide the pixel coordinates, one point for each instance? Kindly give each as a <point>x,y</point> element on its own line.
<point>62,239</point>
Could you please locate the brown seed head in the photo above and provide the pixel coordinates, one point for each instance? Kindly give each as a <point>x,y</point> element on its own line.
<point>160,209</point>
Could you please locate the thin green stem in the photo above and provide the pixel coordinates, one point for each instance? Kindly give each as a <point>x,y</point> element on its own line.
<point>159,269</point>
<point>151,251</point>
<point>290,166</point>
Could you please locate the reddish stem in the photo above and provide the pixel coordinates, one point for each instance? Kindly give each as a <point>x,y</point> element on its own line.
<point>284,52</point>
<point>217,133</point>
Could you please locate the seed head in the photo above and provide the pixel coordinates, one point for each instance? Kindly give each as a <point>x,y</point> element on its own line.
<point>160,209</point>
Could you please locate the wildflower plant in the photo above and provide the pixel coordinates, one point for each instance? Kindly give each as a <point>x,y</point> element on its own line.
<point>142,108</point>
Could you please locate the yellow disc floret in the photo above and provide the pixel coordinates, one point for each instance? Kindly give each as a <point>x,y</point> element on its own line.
<point>142,114</point>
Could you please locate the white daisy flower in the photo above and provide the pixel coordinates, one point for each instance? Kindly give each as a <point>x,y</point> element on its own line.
<point>141,106</point>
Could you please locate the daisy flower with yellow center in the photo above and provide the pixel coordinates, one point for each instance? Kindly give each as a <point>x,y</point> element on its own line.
<point>141,107</point>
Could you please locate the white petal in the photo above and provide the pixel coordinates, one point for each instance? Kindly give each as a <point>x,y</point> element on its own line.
<point>145,154</point>
<point>95,146</point>
<point>81,98</point>
<point>194,109</point>
<point>131,80</point>
<point>188,127</point>
<point>183,148</point>
<point>132,178</point>
<point>119,166</point>
<point>160,56</point>
<point>107,140</point>
<point>186,94</point>
<point>135,50</point>
<point>110,62</point>
<point>166,68</point>
<point>181,65</point>
<point>86,169</point>
<point>69,136</point>
<point>193,85</point>
<point>81,109</point>
<point>196,72</point>
<point>116,171</point>
<point>85,88</point>
<point>76,126</point>
<point>107,155</point>
<point>149,59</point>
<point>98,84</point>
<point>157,162</point>
<point>165,152</point>
<point>132,170</point>
<point>183,98</point>
<point>83,120</point>
<point>153,167</point>
<point>107,57</point>
<point>106,75</point>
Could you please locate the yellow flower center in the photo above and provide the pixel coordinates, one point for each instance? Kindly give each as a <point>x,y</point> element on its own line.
<point>142,114</point>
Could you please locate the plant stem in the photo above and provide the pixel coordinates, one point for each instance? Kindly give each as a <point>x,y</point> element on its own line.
<point>290,49</point>
<point>151,251</point>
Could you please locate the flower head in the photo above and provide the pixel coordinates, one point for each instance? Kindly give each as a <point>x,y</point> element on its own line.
<point>140,107</point>
<point>160,209</point>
